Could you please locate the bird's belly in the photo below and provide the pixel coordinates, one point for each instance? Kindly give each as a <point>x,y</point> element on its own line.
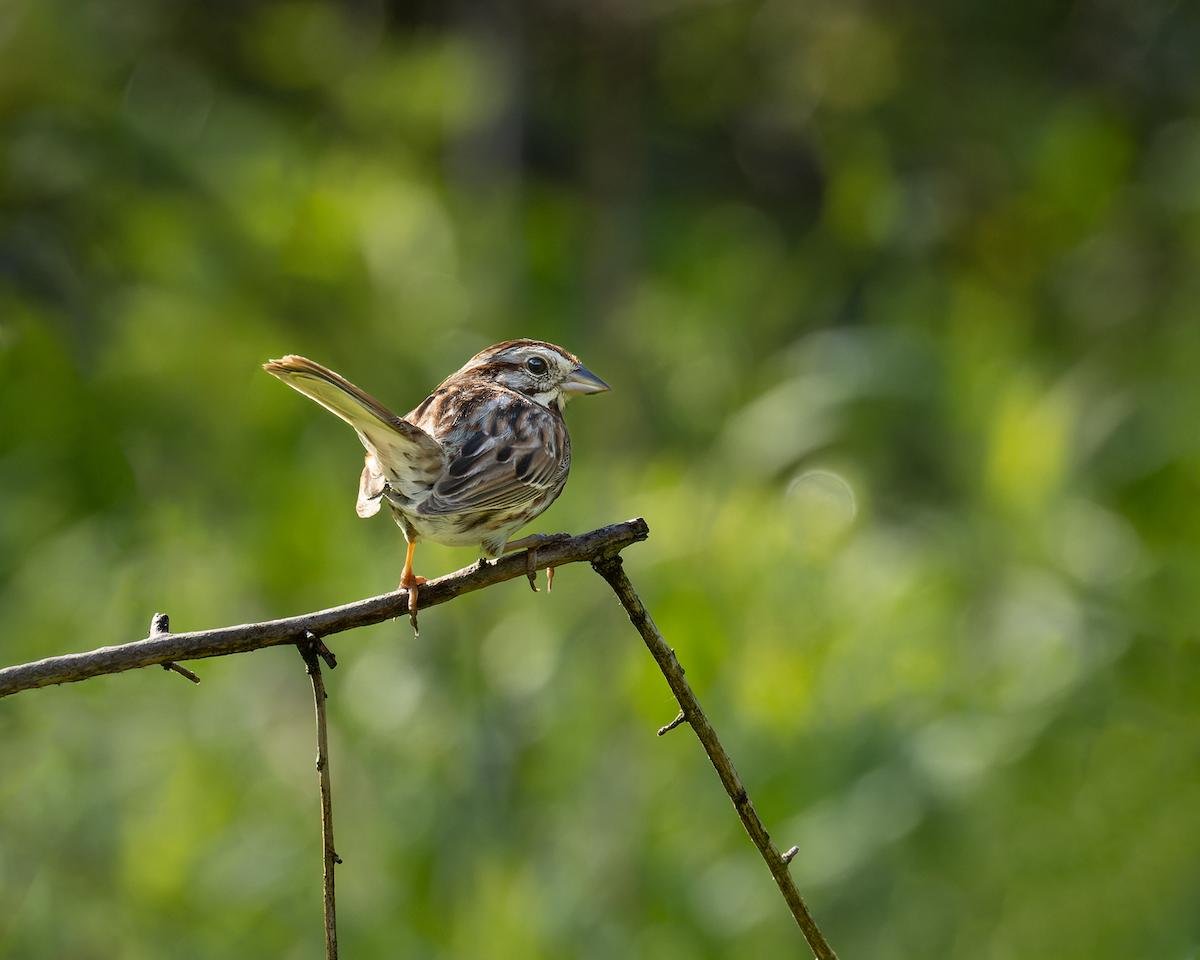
<point>481,529</point>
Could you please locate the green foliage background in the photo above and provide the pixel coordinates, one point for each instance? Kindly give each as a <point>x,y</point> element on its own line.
<point>899,304</point>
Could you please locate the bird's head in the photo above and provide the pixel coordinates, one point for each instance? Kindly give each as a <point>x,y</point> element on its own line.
<point>541,371</point>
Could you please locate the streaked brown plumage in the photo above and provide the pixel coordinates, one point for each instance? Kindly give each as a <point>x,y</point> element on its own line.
<point>484,454</point>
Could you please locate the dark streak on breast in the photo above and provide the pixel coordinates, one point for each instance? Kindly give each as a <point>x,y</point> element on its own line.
<point>481,519</point>
<point>514,421</point>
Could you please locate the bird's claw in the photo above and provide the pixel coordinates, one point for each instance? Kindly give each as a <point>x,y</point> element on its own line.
<point>531,568</point>
<point>530,545</point>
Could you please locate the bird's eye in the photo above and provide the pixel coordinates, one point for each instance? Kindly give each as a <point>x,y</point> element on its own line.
<point>536,366</point>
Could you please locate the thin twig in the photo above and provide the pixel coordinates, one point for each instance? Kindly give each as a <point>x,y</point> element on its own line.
<point>182,671</point>
<point>310,648</point>
<point>610,568</point>
<point>680,719</point>
<point>166,647</point>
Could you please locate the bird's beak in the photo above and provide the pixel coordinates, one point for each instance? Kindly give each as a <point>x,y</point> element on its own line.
<point>582,380</point>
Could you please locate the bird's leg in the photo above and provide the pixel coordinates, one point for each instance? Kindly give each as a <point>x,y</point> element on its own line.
<point>409,581</point>
<point>530,545</point>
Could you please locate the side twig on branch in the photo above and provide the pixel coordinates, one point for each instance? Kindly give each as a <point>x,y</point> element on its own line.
<point>611,569</point>
<point>160,626</point>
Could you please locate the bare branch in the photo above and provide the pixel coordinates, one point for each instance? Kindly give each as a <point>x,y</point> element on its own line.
<point>310,648</point>
<point>610,568</point>
<point>160,648</point>
<point>601,547</point>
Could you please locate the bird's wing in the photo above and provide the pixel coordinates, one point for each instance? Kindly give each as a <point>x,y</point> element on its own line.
<point>514,455</point>
<point>397,451</point>
<point>372,485</point>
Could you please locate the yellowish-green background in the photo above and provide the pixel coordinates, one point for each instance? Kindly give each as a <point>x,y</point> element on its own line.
<point>900,304</point>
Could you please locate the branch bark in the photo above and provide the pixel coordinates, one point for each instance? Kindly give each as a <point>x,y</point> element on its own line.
<point>162,647</point>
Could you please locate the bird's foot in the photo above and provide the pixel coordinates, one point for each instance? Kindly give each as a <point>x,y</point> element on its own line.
<point>411,582</point>
<point>530,545</point>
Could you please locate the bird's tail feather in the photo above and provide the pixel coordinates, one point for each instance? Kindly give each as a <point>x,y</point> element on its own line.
<point>403,453</point>
<point>335,393</point>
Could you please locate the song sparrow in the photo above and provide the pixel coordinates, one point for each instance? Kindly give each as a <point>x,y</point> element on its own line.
<point>483,455</point>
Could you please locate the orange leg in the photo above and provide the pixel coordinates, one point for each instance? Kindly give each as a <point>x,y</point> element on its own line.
<point>409,581</point>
